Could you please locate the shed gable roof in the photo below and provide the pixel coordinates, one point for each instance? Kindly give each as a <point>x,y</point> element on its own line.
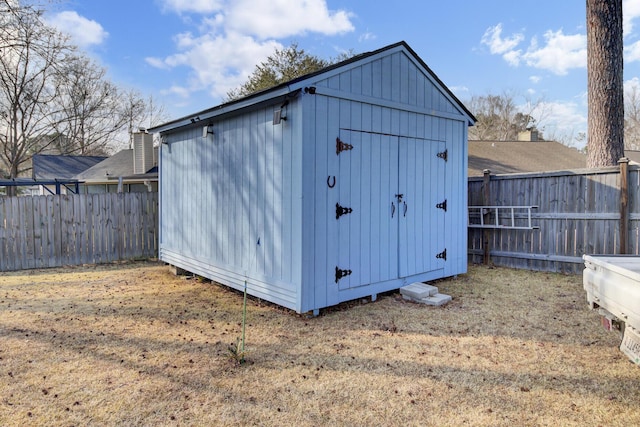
<point>396,74</point>
<point>400,52</point>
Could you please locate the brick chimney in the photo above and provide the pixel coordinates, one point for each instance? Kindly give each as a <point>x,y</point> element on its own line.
<point>528,135</point>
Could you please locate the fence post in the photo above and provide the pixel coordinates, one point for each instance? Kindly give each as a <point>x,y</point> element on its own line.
<point>486,201</point>
<point>624,203</point>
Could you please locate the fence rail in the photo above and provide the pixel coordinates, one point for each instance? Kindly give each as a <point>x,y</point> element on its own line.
<point>57,230</point>
<point>594,211</point>
<point>590,211</point>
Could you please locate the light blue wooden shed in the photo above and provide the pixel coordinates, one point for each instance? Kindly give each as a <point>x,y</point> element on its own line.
<point>341,184</point>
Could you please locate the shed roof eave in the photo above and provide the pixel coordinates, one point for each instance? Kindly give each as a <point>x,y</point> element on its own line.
<point>223,109</point>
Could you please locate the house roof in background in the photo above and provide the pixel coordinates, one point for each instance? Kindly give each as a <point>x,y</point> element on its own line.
<point>522,156</point>
<point>118,165</point>
<point>61,167</point>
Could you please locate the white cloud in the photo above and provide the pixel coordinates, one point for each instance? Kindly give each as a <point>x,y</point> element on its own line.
<point>84,32</point>
<point>180,91</point>
<point>458,90</point>
<point>631,84</point>
<point>498,45</point>
<point>284,18</point>
<point>564,122</point>
<point>217,63</point>
<point>632,52</point>
<point>512,57</point>
<point>560,53</point>
<point>235,35</point>
<point>630,11</point>
<point>195,6</point>
<point>563,112</point>
<point>366,36</point>
<point>157,63</point>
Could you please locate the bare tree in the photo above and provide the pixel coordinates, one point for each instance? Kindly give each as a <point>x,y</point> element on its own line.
<point>29,67</point>
<point>632,117</point>
<point>54,98</point>
<point>155,113</point>
<point>139,113</point>
<point>605,145</point>
<point>90,108</point>
<point>98,116</point>
<point>499,118</point>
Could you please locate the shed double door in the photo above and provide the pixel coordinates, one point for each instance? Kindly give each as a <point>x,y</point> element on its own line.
<point>390,213</point>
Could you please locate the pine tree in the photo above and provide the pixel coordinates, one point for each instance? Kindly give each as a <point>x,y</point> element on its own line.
<point>605,83</point>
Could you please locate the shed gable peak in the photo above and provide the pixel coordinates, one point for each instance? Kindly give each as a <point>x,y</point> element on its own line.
<point>394,74</point>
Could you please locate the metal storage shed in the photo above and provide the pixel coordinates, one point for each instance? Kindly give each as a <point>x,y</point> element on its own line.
<point>343,183</point>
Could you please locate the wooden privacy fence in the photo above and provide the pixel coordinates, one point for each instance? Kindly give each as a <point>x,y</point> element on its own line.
<point>57,230</point>
<point>587,211</point>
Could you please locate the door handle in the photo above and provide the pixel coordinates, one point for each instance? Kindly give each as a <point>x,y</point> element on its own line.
<point>405,209</point>
<point>393,209</point>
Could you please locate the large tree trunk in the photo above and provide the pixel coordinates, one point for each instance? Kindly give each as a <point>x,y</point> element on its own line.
<point>604,67</point>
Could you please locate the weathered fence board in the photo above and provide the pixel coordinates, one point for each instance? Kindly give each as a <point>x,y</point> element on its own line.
<point>578,212</point>
<point>57,230</point>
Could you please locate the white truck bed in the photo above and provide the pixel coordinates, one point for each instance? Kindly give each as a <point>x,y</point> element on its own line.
<point>612,283</point>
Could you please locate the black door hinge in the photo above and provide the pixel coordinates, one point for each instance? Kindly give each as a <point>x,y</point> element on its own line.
<point>443,155</point>
<point>342,211</point>
<point>442,255</point>
<point>342,146</point>
<point>341,273</point>
<point>442,205</point>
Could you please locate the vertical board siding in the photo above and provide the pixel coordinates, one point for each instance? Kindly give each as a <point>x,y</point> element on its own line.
<point>227,200</point>
<point>578,213</point>
<point>395,78</point>
<point>367,181</point>
<point>362,175</point>
<point>394,151</point>
<point>57,230</point>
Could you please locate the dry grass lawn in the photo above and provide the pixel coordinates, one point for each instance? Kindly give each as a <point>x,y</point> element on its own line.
<point>132,344</point>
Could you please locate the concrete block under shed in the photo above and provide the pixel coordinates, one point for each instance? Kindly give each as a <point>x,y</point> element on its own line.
<point>424,294</point>
<point>437,299</point>
<point>177,271</point>
<point>418,290</point>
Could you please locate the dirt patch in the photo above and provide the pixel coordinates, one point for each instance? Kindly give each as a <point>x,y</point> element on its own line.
<point>132,344</point>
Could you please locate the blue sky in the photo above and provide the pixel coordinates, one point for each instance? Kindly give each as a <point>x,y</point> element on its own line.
<point>189,53</point>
